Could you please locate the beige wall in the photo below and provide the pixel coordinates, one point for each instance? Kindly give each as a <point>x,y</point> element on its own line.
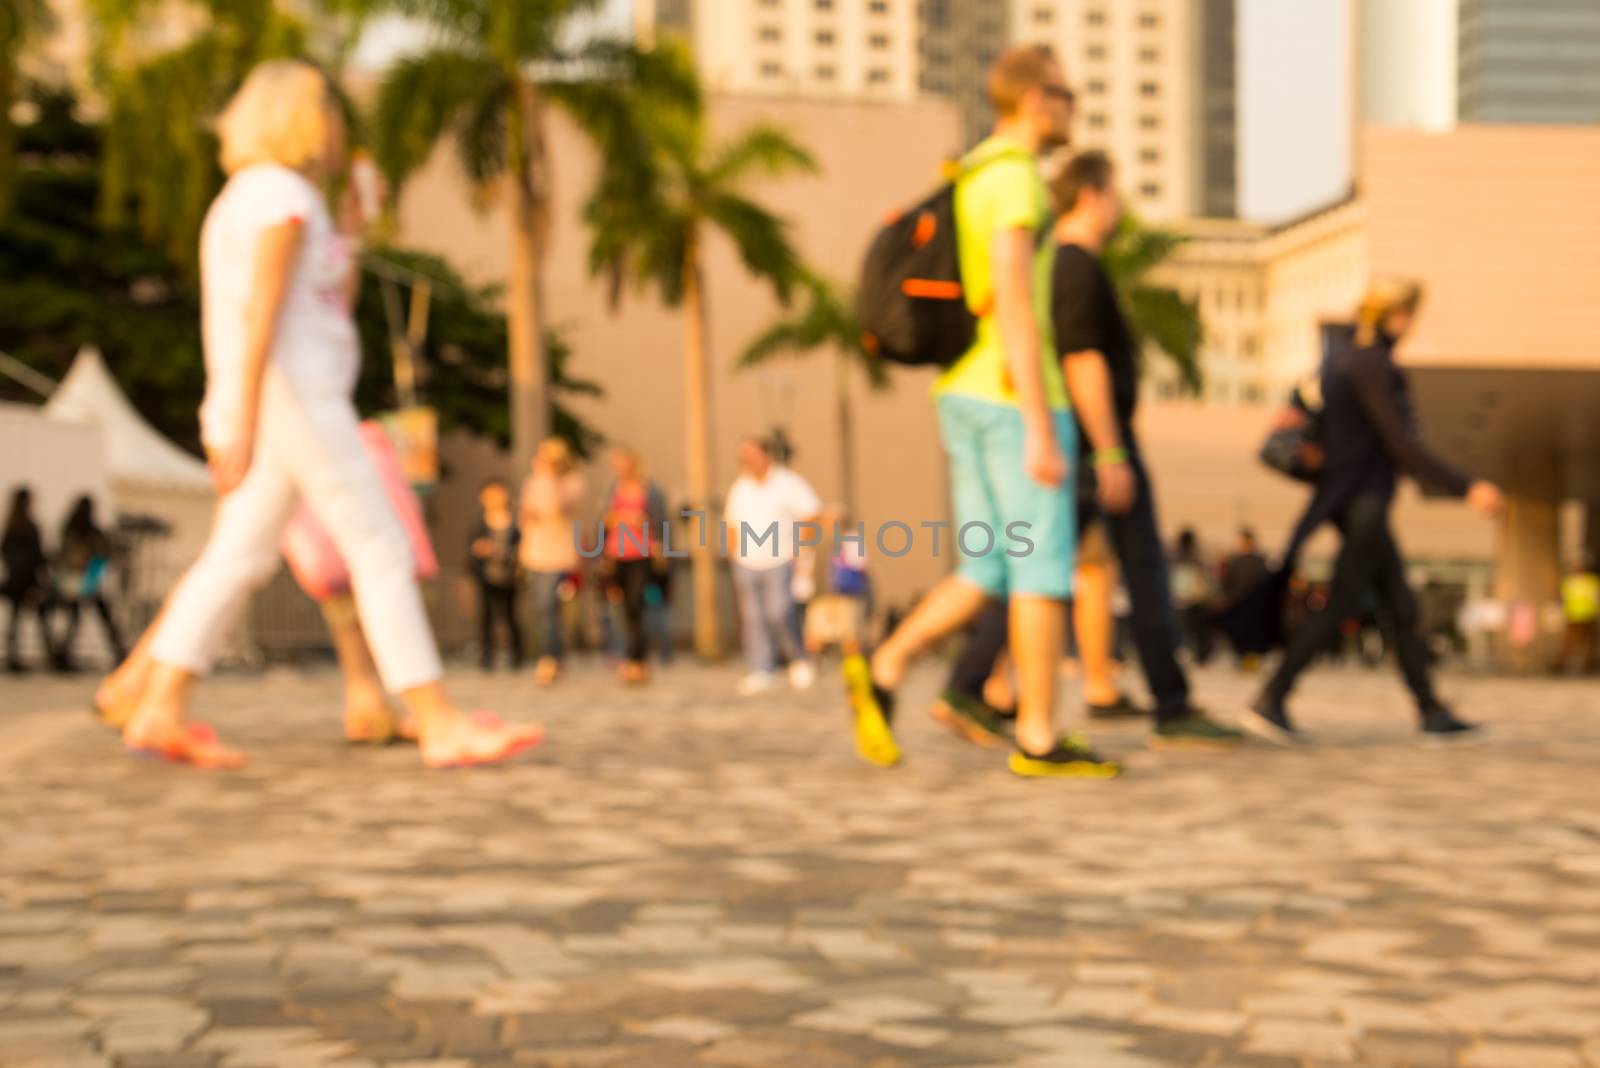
<point>1503,224</point>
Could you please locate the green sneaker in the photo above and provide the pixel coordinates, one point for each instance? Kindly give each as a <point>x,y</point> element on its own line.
<point>1194,731</point>
<point>1070,759</point>
<point>970,719</point>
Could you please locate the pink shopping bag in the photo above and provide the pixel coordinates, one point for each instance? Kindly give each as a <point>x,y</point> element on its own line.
<point>310,552</point>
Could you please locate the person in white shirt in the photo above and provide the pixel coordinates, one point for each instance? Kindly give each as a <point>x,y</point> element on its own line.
<point>278,282</point>
<point>768,510</point>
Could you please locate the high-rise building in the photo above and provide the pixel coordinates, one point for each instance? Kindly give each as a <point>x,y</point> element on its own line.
<point>1155,79</point>
<point>1156,89</point>
<point>1535,61</point>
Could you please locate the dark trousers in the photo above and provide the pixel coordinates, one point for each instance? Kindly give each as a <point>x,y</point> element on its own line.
<point>107,621</point>
<point>22,601</point>
<point>1136,539</point>
<point>498,603</point>
<point>1369,559</point>
<point>634,578</point>
<point>1196,622</point>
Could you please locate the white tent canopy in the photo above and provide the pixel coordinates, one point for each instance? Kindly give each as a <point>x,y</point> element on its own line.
<point>136,452</point>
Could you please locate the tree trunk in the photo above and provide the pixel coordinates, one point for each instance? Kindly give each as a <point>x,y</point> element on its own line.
<point>847,432</point>
<point>8,133</point>
<point>697,439</point>
<point>524,308</point>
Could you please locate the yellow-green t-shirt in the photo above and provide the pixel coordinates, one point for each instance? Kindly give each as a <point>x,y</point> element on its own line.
<point>1007,194</point>
<point>1580,596</point>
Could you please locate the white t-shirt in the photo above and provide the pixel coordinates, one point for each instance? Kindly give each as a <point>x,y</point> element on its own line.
<point>784,498</point>
<point>315,344</point>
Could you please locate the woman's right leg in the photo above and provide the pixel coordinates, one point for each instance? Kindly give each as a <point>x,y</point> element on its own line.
<point>635,576</point>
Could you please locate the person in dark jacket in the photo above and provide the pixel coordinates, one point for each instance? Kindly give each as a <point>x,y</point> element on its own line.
<point>1370,439</point>
<point>27,583</point>
<point>493,546</point>
<point>85,557</point>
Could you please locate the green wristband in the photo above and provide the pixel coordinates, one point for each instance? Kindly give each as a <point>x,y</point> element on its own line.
<point>1107,457</point>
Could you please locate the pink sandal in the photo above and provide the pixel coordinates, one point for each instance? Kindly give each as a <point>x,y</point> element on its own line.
<point>196,745</point>
<point>479,740</point>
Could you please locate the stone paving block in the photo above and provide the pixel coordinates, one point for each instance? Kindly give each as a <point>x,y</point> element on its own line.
<point>1302,1038</point>
<point>1412,1051</point>
<point>1521,1055</point>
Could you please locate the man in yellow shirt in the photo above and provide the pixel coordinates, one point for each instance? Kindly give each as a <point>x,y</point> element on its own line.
<point>1580,604</point>
<point>1005,424</point>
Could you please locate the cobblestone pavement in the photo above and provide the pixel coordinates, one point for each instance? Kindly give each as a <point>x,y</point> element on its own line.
<point>682,878</point>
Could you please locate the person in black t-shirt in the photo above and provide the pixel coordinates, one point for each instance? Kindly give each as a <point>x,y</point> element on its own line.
<point>493,546</point>
<point>1100,362</point>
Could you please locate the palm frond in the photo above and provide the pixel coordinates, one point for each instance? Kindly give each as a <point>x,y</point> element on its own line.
<point>1172,323</point>
<point>827,320</point>
<point>761,238</point>
<point>763,149</point>
<point>425,96</point>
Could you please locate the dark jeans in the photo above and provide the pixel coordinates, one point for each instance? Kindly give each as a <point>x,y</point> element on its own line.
<point>1136,539</point>
<point>545,588</point>
<point>1196,622</point>
<point>498,602</point>
<point>113,635</point>
<point>633,577</point>
<point>1369,559</point>
<point>22,601</point>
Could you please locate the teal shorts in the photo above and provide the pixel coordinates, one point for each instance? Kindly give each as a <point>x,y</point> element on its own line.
<point>1012,535</point>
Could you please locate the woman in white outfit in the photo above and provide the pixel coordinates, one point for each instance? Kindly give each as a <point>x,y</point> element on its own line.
<point>278,281</point>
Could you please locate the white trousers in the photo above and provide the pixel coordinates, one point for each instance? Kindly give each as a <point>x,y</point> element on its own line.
<point>308,445</point>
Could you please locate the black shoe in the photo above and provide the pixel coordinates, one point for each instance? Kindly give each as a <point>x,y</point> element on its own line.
<point>1268,720</point>
<point>1195,730</point>
<point>970,719</point>
<point>1439,723</point>
<point>1121,708</point>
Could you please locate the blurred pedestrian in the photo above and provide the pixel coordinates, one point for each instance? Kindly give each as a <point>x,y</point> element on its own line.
<point>1244,567</point>
<point>278,283</point>
<point>495,545</point>
<point>838,618</point>
<point>551,495</point>
<point>1370,438</point>
<point>83,563</point>
<point>766,507</point>
<point>1191,595</point>
<point>1580,605</point>
<point>27,585</point>
<point>635,511</point>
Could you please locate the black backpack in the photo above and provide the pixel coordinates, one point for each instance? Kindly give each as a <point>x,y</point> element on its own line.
<point>910,302</point>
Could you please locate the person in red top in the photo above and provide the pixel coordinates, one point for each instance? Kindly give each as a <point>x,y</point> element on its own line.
<point>635,510</point>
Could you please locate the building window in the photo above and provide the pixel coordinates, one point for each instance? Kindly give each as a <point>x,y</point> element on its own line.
<point>879,7</point>
<point>770,3</point>
<point>878,40</point>
<point>877,76</point>
<point>1149,89</point>
<point>825,72</point>
<point>770,34</point>
<point>1149,55</point>
<point>824,37</point>
<point>1149,155</point>
<point>1096,121</point>
<point>1149,20</point>
<point>1096,87</point>
<point>1149,122</point>
<point>1095,17</point>
<point>1044,16</point>
<point>771,70</point>
<point>824,5</point>
<point>1150,190</point>
<point>1096,51</point>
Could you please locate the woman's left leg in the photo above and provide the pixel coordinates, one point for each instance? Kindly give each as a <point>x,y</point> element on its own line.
<point>1401,605</point>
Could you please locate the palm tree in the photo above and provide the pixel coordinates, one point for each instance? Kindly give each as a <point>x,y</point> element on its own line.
<point>1159,314</point>
<point>498,67</point>
<point>21,22</point>
<point>826,321</point>
<point>650,222</point>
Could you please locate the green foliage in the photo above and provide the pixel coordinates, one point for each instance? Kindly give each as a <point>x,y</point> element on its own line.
<point>646,218</point>
<point>72,282</point>
<point>1164,317</point>
<point>826,320</point>
<point>21,23</point>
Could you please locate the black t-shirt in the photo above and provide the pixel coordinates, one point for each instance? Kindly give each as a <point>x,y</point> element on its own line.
<point>1086,315</point>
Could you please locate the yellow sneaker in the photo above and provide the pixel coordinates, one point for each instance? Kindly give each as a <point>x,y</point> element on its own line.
<point>1070,759</point>
<point>871,709</point>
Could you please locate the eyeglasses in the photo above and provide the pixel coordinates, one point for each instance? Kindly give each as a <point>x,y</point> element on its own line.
<point>1061,93</point>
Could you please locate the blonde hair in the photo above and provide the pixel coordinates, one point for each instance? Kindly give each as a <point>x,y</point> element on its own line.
<point>1014,72</point>
<point>280,115</point>
<point>1383,296</point>
<point>556,453</point>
